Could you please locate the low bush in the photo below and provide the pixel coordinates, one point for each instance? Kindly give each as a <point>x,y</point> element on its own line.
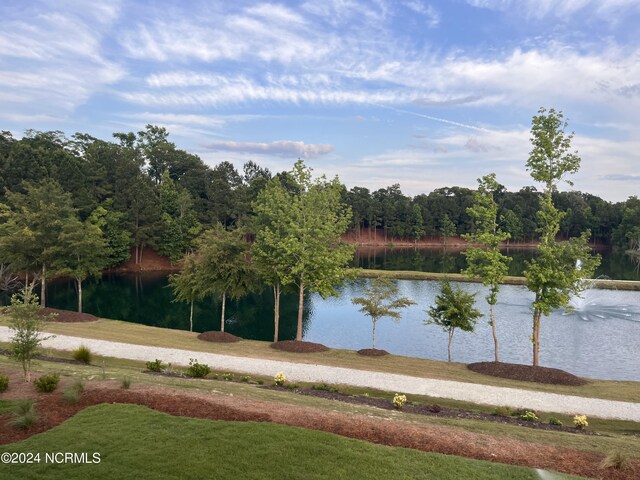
<point>126,383</point>
<point>324,387</point>
<point>291,386</point>
<point>73,392</point>
<point>4,383</point>
<point>227,376</point>
<point>279,379</point>
<point>197,370</point>
<point>580,421</point>
<point>245,379</point>
<point>155,366</point>
<point>503,411</point>
<point>399,401</point>
<point>615,460</point>
<point>47,383</point>
<point>82,354</point>
<point>555,421</point>
<point>25,414</point>
<point>529,416</point>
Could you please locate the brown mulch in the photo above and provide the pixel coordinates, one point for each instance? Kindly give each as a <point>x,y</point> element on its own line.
<point>219,337</point>
<point>527,373</point>
<point>433,410</point>
<point>372,352</point>
<point>67,316</point>
<point>54,410</point>
<point>299,346</point>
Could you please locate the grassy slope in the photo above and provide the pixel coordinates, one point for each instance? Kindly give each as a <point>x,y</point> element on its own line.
<point>162,337</point>
<point>135,442</point>
<point>614,435</point>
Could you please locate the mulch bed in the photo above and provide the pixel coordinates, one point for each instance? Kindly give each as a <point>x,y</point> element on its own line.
<point>67,316</point>
<point>219,337</point>
<point>425,409</point>
<point>527,373</point>
<point>53,410</point>
<point>299,346</point>
<point>372,352</point>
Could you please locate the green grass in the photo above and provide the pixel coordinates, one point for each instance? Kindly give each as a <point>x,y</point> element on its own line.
<point>508,280</point>
<point>136,442</point>
<point>128,332</point>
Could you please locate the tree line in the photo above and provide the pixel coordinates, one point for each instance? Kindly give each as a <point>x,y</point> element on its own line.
<point>152,194</point>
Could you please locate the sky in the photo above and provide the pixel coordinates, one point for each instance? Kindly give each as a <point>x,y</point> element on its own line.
<point>422,93</point>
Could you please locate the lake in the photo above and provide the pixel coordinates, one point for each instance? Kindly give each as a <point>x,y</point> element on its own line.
<point>600,340</point>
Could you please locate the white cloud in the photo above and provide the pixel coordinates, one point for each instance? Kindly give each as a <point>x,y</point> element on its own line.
<point>431,15</point>
<point>281,148</point>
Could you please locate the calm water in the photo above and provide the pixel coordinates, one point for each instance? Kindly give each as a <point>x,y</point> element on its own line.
<point>600,340</point>
<point>614,264</point>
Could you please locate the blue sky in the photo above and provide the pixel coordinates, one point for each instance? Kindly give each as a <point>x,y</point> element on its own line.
<point>422,93</point>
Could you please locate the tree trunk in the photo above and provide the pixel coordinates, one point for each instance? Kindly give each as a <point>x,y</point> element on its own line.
<point>43,287</point>
<point>300,308</point>
<point>536,337</point>
<point>450,341</point>
<point>495,332</point>
<point>191,317</point>
<point>224,301</point>
<point>79,282</point>
<point>374,333</point>
<point>137,261</point>
<point>276,311</point>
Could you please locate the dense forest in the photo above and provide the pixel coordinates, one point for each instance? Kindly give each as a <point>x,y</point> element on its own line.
<point>144,192</point>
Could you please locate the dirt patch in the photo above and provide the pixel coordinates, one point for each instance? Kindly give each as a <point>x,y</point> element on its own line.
<point>526,373</point>
<point>54,410</point>
<point>372,352</point>
<point>433,410</point>
<point>219,337</point>
<point>151,261</point>
<point>298,346</point>
<point>67,316</point>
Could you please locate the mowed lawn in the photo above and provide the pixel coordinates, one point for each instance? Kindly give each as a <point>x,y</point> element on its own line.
<point>137,442</point>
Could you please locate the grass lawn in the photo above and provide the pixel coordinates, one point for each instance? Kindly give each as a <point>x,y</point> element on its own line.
<point>163,337</point>
<point>136,442</point>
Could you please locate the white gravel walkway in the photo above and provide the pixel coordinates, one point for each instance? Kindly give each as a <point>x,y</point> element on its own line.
<point>300,372</point>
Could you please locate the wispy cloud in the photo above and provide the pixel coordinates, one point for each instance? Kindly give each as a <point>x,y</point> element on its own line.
<point>281,148</point>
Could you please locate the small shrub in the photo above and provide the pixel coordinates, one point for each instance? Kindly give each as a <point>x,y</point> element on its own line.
<point>529,416</point>
<point>324,387</point>
<point>4,383</point>
<point>260,382</point>
<point>82,354</point>
<point>47,383</point>
<point>73,392</point>
<point>197,370</point>
<point>245,379</point>
<point>227,377</point>
<point>126,383</point>
<point>615,460</point>
<point>399,401</point>
<point>503,411</point>
<point>580,421</point>
<point>279,379</point>
<point>25,414</point>
<point>155,366</point>
<point>555,421</point>
<point>292,386</point>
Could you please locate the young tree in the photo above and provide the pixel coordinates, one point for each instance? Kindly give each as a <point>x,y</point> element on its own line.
<point>417,230</point>
<point>486,261</point>
<point>185,284</point>
<point>26,322</point>
<point>447,228</point>
<point>81,252</point>
<point>558,271</point>
<point>454,309</point>
<point>381,300</point>
<point>224,266</point>
<point>306,225</point>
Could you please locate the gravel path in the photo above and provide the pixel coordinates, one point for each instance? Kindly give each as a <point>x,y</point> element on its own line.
<point>299,372</point>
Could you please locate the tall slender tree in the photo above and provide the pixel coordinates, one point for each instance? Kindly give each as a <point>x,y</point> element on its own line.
<point>186,284</point>
<point>485,260</point>
<point>557,273</point>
